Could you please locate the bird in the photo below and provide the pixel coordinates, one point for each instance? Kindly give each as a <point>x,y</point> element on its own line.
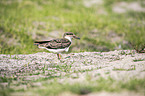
<point>57,45</point>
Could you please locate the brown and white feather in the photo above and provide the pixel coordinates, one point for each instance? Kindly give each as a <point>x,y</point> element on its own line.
<point>54,44</point>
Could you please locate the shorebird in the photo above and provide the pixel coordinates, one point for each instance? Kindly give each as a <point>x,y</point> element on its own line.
<point>57,45</point>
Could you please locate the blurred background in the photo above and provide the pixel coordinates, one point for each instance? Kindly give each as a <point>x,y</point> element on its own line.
<point>102,25</point>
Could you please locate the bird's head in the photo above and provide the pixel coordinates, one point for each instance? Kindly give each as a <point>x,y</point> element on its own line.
<point>70,35</point>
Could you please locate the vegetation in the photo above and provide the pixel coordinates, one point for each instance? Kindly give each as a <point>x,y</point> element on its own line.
<point>122,69</point>
<point>100,28</point>
<point>95,86</point>
<point>88,86</point>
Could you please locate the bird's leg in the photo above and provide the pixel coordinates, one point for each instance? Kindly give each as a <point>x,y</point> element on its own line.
<point>59,56</point>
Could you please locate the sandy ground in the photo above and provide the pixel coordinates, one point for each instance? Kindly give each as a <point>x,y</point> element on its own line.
<point>119,65</point>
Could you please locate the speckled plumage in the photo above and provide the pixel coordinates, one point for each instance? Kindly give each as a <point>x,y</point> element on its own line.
<point>54,44</point>
<point>57,45</point>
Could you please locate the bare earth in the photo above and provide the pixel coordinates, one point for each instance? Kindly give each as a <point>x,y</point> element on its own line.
<point>119,65</point>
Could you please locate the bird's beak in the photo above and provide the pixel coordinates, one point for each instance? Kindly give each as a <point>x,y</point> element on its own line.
<point>74,36</point>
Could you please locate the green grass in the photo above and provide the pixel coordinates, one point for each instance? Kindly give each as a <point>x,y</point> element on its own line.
<point>55,88</point>
<point>23,22</point>
<point>122,69</point>
<point>140,59</point>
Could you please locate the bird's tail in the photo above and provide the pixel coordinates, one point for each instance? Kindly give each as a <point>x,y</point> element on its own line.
<point>36,44</point>
<point>40,42</point>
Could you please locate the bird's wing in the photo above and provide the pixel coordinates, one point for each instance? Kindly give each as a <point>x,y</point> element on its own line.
<point>55,43</point>
<point>58,44</point>
<point>41,42</point>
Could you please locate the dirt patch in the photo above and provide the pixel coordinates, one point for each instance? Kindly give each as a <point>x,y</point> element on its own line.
<point>112,62</point>
<point>123,7</point>
<point>21,69</point>
<point>89,3</point>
